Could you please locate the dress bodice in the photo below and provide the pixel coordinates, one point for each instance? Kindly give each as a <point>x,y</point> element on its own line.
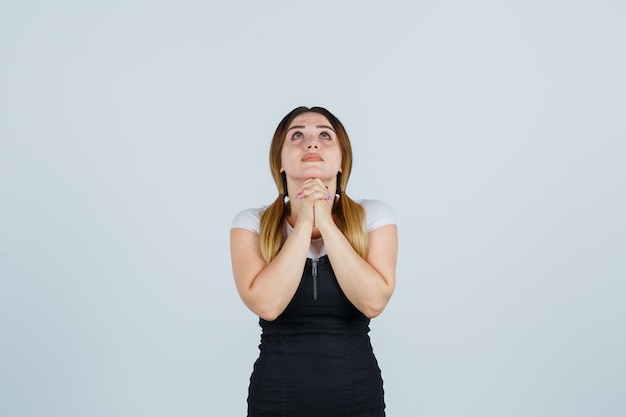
<point>318,305</point>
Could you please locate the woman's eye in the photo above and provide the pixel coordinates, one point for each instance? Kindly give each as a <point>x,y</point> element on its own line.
<point>297,135</point>
<point>324,135</point>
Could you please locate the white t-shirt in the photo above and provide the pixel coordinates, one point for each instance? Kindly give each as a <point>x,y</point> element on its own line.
<point>377,213</point>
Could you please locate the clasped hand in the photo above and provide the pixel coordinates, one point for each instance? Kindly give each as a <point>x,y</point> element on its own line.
<point>314,203</point>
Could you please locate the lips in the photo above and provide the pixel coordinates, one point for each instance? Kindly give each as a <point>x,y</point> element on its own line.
<point>312,157</point>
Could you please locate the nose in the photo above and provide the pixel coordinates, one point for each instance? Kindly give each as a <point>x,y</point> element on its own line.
<point>312,143</point>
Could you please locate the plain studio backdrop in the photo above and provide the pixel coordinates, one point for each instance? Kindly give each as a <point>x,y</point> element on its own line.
<point>132,132</point>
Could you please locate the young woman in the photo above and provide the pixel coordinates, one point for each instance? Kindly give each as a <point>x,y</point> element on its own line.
<point>315,266</point>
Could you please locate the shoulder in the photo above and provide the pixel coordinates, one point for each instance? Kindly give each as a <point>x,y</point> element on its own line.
<point>249,219</point>
<point>378,213</point>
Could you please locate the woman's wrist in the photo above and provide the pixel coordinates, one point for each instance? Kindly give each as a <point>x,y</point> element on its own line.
<point>326,226</point>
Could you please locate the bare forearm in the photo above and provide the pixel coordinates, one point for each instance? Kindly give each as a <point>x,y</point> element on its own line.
<point>273,288</point>
<point>362,284</point>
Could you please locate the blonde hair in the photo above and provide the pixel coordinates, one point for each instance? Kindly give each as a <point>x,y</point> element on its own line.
<point>349,214</point>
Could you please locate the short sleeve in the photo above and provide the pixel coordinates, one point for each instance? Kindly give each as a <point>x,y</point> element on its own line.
<point>378,214</point>
<point>249,219</point>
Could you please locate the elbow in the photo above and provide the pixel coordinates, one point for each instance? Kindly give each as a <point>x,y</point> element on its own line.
<point>265,310</point>
<point>373,310</point>
<point>373,314</point>
<point>269,315</point>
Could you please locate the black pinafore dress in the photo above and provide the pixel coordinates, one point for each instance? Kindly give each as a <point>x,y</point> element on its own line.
<point>316,358</point>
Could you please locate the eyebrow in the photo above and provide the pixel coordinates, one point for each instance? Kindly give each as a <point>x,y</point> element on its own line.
<point>317,127</point>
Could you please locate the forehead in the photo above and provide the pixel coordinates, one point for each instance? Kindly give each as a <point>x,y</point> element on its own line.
<point>310,120</point>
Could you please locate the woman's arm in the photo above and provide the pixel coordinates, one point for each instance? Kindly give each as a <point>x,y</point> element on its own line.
<point>368,283</point>
<point>267,289</point>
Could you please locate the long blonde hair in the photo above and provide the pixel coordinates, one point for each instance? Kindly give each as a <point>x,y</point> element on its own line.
<point>349,214</point>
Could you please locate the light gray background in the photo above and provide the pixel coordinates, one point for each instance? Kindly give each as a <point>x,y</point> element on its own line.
<point>132,132</point>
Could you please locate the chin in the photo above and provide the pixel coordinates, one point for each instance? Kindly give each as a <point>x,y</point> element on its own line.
<point>314,173</point>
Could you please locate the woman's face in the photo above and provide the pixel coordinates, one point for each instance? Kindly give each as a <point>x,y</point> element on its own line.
<point>311,149</point>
